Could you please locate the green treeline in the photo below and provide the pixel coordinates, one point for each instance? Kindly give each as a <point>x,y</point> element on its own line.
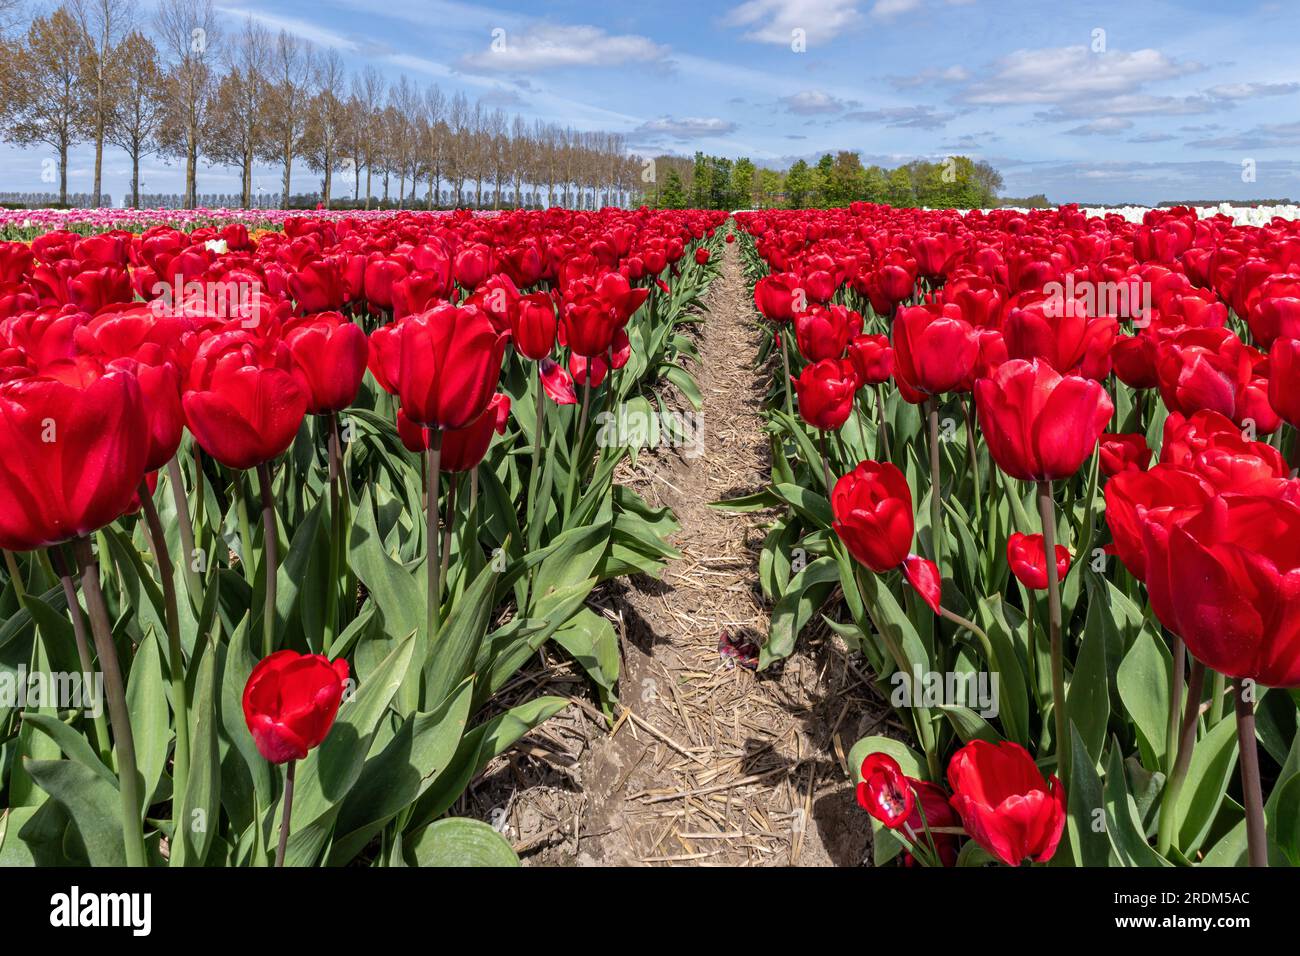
<point>716,182</point>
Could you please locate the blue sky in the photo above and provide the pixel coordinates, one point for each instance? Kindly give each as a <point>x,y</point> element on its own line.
<point>1099,102</point>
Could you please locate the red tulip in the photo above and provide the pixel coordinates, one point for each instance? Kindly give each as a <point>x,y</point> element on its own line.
<point>885,791</point>
<point>244,398</point>
<point>924,576</point>
<point>872,358</point>
<point>1124,453</point>
<point>1038,424</point>
<point>472,264</point>
<point>533,326</point>
<point>1165,494</point>
<point>587,326</point>
<point>1284,380</point>
<point>1027,556</point>
<point>76,443</point>
<point>1213,448</point>
<point>330,352</point>
<point>1059,331</point>
<point>779,296</point>
<point>1004,803</point>
<point>290,702</point>
<point>731,237</point>
<point>824,332</point>
<point>464,448</point>
<point>1242,617</point>
<point>872,506</point>
<point>557,383</point>
<point>701,256</point>
<point>826,391</point>
<point>934,352</point>
<point>442,364</point>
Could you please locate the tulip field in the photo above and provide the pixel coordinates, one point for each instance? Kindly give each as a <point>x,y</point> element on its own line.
<point>297,510</point>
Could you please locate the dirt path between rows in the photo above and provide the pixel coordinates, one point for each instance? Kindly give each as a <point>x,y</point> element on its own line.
<point>714,764</point>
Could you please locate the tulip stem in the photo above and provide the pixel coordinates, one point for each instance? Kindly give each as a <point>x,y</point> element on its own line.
<point>539,441</point>
<point>177,481</point>
<point>15,575</point>
<point>286,813</point>
<point>1179,656</point>
<point>1186,742</point>
<point>175,657</point>
<point>882,438</point>
<point>1217,690</point>
<point>453,485</point>
<point>972,453</point>
<point>570,493</point>
<point>271,549</point>
<point>1047,514</point>
<point>433,519</point>
<point>826,464</point>
<point>128,779</point>
<point>785,363</point>
<point>1252,794</point>
<point>336,534</point>
<point>936,507</point>
<point>102,741</point>
<point>975,629</point>
<point>247,564</point>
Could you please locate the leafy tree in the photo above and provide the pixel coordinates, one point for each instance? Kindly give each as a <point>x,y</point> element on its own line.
<point>742,185</point>
<point>800,185</point>
<point>673,195</point>
<point>898,188</point>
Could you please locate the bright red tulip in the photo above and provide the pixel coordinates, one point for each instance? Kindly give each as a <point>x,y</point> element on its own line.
<point>1004,803</point>
<point>1284,380</point>
<point>1038,424</point>
<point>1165,494</point>
<point>923,575</point>
<point>826,391</point>
<point>1242,617</point>
<point>934,352</point>
<point>330,352</point>
<point>824,332</point>
<point>290,702</point>
<point>76,442</point>
<point>442,364</point>
<point>872,506</point>
<point>244,399</point>
<point>533,326</point>
<point>1027,556</point>
<point>872,358</point>
<point>885,791</point>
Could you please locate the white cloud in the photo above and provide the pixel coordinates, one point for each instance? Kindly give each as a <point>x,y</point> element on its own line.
<point>555,47</point>
<point>813,102</point>
<point>888,9</point>
<point>773,21</point>
<point>1106,126</point>
<point>1062,74</point>
<point>1246,91</point>
<point>902,117</point>
<point>687,127</point>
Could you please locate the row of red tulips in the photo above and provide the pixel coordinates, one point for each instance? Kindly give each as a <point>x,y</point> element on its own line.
<point>1015,375</point>
<point>435,521</point>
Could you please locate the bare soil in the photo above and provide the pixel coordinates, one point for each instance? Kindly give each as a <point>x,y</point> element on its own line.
<point>708,763</point>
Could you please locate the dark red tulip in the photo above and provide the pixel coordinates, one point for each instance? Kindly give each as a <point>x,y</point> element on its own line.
<point>464,448</point>
<point>1124,453</point>
<point>1004,803</point>
<point>290,702</point>
<point>872,506</point>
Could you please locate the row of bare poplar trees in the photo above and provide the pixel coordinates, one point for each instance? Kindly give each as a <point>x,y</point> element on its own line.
<point>181,87</point>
